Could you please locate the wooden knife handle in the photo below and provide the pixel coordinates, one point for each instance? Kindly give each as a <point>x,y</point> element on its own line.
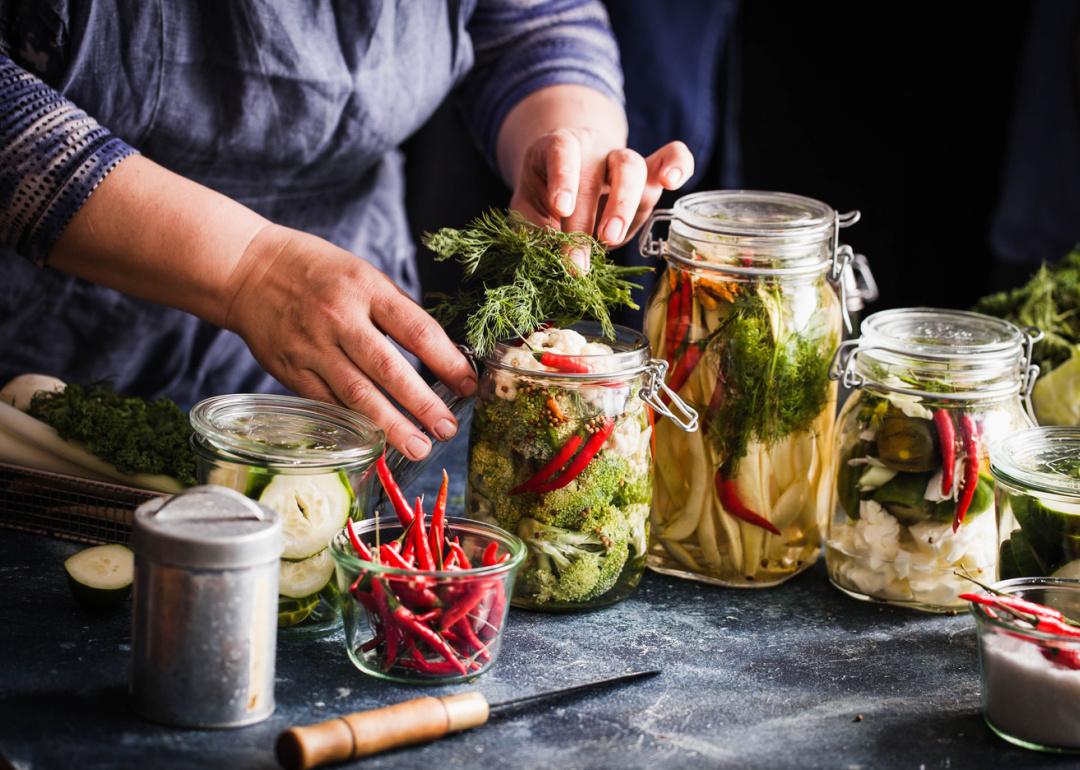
<point>369,732</point>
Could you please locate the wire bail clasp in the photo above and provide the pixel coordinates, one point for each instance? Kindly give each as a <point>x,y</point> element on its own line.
<point>842,367</point>
<point>1029,371</point>
<point>687,417</point>
<point>647,245</point>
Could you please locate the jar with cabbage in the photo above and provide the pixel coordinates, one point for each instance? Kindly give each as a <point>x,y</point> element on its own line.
<point>914,496</point>
<point>748,318</point>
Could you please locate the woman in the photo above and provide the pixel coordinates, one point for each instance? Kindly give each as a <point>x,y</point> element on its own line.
<point>201,235</point>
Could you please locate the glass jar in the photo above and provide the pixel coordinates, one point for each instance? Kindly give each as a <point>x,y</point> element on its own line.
<point>1037,490</point>
<point>559,454</point>
<point>309,461</point>
<point>748,319</point>
<point>933,389</point>
<point>1031,679</point>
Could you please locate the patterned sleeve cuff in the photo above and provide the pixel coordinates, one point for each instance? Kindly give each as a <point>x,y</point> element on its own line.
<point>522,47</point>
<point>52,157</point>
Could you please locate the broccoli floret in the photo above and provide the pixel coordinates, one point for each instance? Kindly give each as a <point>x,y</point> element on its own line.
<point>568,565</point>
<point>637,517</point>
<point>583,503</point>
<point>528,424</point>
<point>634,490</point>
<point>491,475</point>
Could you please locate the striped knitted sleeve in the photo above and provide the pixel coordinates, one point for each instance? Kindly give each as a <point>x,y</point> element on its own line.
<point>524,45</point>
<point>52,157</point>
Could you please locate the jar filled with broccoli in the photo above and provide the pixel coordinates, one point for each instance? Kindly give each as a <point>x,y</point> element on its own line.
<point>560,454</point>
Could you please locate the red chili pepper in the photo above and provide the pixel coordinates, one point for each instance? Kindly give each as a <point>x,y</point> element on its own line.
<point>729,498</point>
<point>947,438</point>
<point>383,609</point>
<point>464,606</point>
<point>417,661</point>
<point>683,369</point>
<point>567,364</point>
<point>493,621</point>
<point>553,465</point>
<point>1015,602</point>
<point>1046,623</point>
<point>424,559</point>
<point>430,615</point>
<point>438,521</point>
<point>652,431</point>
<point>358,545</point>
<point>455,546</point>
<point>393,491</point>
<point>579,463</point>
<point>970,434</point>
<point>392,558</point>
<point>471,639</point>
<point>488,557</point>
<point>409,623</point>
<point>1069,657</point>
<point>686,309</point>
<point>372,643</point>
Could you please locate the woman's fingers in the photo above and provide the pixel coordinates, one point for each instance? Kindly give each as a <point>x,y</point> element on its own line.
<point>562,163</point>
<point>355,389</point>
<point>626,184</point>
<point>670,166</point>
<point>414,329</point>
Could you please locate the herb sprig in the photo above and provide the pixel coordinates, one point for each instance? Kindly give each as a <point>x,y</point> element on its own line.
<point>517,277</point>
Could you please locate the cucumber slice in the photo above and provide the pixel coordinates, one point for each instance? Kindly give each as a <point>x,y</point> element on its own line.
<point>312,509</point>
<point>101,577</point>
<point>300,579</point>
<point>294,611</point>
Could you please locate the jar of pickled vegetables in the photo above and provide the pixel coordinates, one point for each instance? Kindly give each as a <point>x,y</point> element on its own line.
<point>311,462</point>
<point>914,497</point>
<point>748,319</point>
<point>1037,490</point>
<point>560,454</point>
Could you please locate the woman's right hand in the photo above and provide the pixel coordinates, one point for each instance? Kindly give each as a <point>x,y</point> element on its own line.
<point>320,320</point>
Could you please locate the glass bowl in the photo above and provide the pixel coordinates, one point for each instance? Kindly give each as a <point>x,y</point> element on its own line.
<point>1031,679</point>
<point>417,626</point>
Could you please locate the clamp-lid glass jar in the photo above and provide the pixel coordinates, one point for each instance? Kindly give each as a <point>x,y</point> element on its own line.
<point>934,388</point>
<point>748,319</point>
<point>311,463</point>
<point>559,454</point>
<point>1037,484</point>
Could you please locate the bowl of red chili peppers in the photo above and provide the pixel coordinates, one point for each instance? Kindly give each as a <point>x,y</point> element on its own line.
<point>424,598</point>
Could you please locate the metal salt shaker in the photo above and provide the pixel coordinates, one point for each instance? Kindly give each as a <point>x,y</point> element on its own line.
<point>205,609</point>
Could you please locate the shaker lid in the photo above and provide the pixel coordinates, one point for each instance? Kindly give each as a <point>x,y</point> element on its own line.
<point>208,527</point>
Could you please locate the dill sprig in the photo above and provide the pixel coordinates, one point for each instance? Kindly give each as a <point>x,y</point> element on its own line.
<point>517,277</point>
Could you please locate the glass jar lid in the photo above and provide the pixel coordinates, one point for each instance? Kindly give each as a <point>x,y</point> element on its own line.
<point>751,232</point>
<point>938,353</point>
<point>286,430</point>
<point>1044,460</point>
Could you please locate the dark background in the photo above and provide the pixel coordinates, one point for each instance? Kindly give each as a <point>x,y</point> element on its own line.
<point>901,111</point>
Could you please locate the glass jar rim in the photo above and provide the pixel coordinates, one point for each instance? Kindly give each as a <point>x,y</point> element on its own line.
<point>285,430</point>
<point>1016,584</point>
<point>629,356</point>
<point>1026,460</point>
<point>342,550</point>
<point>725,212</point>
<point>937,346</point>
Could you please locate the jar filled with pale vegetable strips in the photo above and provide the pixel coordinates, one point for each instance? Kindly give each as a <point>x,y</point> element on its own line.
<point>748,319</point>
<point>560,455</point>
<point>312,463</point>
<point>914,509</point>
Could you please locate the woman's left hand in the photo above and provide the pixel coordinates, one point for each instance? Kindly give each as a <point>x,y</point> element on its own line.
<point>583,178</point>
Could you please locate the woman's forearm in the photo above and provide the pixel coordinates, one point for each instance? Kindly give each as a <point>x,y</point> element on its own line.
<point>154,234</point>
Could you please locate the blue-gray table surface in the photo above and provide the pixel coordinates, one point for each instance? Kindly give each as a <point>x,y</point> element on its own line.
<point>799,676</point>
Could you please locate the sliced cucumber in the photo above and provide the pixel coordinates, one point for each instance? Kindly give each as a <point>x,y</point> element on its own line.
<point>246,479</point>
<point>101,576</point>
<point>312,509</point>
<point>293,611</point>
<point>299,579</point>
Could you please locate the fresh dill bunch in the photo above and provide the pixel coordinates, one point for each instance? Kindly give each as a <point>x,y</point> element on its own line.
<point>776,384</point>
<point>517,277</point>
